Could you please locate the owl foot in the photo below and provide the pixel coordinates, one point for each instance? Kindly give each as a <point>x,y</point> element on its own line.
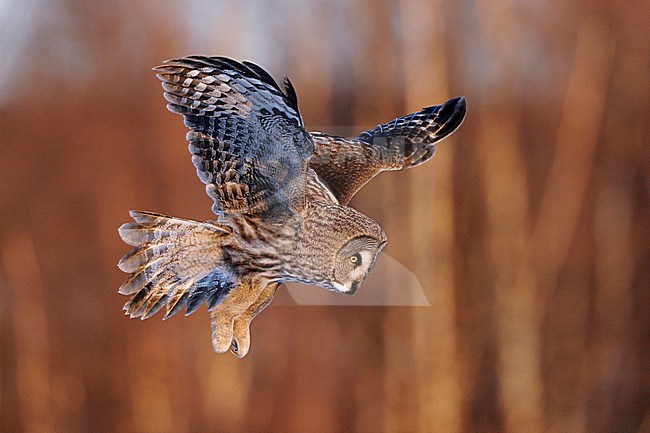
<point>241,342</point>
<point>222,334</point>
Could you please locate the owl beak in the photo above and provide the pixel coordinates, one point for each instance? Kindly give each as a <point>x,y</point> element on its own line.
<point>347,290</point>
<point>354,287</point>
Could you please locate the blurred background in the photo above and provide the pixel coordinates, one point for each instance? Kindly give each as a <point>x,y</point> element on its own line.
<point>528,231</point>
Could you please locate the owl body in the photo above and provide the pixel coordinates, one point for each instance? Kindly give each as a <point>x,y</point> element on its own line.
<point>241,250</point>
<point>280,194</point>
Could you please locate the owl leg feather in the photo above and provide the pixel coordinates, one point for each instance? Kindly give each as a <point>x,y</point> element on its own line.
<point>223,315</point>
<point>241,328</point>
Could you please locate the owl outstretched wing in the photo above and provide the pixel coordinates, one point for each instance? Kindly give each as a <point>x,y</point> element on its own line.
<point>246,134</point>
<point>346,164</point>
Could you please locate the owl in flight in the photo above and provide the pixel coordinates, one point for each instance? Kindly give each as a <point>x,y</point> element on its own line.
<point>280,194</point>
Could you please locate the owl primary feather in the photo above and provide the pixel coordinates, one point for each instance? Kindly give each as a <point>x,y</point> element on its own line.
<point>280,195</point>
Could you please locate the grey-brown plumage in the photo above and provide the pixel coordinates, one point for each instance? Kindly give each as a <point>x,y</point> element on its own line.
<point>279,193</point>
<point>346,164</point>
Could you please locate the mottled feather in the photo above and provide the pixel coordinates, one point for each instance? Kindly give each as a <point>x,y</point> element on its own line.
<point>246,135</point>
<point>346,164</point>
<point>173,258</point>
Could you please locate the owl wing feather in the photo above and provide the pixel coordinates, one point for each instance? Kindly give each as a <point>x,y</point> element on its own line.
<point>346,164</point>
<point>246,135</point>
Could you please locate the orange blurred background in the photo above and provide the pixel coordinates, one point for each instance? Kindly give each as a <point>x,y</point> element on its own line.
<point>528,231</point>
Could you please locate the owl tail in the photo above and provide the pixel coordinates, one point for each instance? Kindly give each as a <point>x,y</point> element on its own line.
<point>415,135</point>
<point>172,265</point>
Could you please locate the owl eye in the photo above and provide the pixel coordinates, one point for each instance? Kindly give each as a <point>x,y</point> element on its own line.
<point>355,259</point>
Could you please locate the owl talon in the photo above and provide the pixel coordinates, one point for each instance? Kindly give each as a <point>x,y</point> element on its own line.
<point>239,352</point>
<point>242,341</point>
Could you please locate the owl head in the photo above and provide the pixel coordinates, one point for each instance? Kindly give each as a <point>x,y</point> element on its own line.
<point>337,247</point>
<point>354,261</point>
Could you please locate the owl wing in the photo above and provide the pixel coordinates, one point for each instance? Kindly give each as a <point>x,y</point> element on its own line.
<point>246,134</point>
<point>346,164</point>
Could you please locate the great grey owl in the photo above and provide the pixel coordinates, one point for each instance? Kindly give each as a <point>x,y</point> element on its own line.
<point>280,196</point>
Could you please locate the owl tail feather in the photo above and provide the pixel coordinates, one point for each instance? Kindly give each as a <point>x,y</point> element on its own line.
<point>172,265</point>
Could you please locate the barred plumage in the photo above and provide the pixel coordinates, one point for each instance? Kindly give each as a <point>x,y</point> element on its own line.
<point>346,164</point>
<point>279,193</point>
